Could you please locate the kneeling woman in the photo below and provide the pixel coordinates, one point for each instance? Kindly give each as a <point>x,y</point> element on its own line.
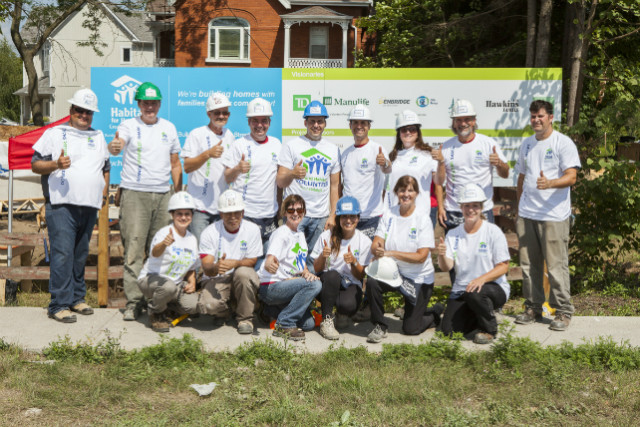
<point>285,280</point>
<point>341,254</point>
<point>168,275</point>
<point>479,253</point>
<point>406,235</point>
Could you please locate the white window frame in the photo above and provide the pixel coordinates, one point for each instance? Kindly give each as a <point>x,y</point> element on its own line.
<point>323,33</point>
<point>215,26</point>
<point>45,58</point>
<point>122,60</point>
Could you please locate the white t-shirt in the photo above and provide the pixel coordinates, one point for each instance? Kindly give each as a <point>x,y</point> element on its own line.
<point>258,186</point>
<point>207,183</point>
<point>362,178</point>
<point>82,183</point>
<point>290,248</point>
<point>176,260</point>
<point>420,165</point>
<point>321,159</point>
<point>476,254</point>
<point>469,163</point>
<point>360,248</point>
<point>216,241</point>
<point>408,234</point>
<point>146,156</point>
<point>552,156</point>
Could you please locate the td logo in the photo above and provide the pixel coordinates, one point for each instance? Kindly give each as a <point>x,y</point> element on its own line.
<point>300,102</point>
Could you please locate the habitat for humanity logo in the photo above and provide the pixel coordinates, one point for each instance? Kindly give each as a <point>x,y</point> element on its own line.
<point>300,102</point>
<point>316,163</point>
<point>125,89</point>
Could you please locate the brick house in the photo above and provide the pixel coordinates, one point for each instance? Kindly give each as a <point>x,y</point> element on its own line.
<point>268,33</point>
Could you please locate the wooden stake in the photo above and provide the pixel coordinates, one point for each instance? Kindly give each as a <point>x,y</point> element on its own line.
<point>103,255</point>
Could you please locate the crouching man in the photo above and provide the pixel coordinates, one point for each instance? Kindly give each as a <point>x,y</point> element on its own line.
<point>229,249</point>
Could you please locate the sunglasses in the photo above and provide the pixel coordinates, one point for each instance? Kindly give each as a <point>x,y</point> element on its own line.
<point>220,113</point>
<point>299,211</point>
<point>82,111</point>
<point>410,129</point>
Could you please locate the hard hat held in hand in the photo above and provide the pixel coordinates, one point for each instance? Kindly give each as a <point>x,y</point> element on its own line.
<point>462,108</point>
<point>217,100</point>
<point>471,193</point>
<point>315,109</point>
<point>148,92</point>
<point>407,118</point>
<point>85,98</point>
<point>230,201</point>
<point>360,112</point>
<point>385,270</point>
<point>181,200</point>
<point>259,108</point>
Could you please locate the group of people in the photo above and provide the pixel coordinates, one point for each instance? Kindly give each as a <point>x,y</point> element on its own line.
<point>269,227</point>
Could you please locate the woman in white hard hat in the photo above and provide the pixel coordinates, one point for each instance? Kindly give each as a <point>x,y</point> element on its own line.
<point>340,255</point>
<point>168,275</point>
<point>405,235</point>
<point>478,251</point>
<point>285,281</point>
<point>412,156</point>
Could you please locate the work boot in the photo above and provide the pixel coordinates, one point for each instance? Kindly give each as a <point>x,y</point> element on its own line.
<point>528,316</point>
<point>82,308</point>
<point>131,313</point>
<point>64,316</point>
<point>245,327</point>
<point>561,322</point>
<point>293,334</point>
<point>158,323</point>
<point>327,329</point>
<point>483,338</point>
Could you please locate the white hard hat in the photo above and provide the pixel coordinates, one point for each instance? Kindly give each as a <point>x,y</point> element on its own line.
<point>407,118</point>
<point>385,270</point>
<point>217,100</point>
<point>181,200</point>
<point>462,108</point>
<point>259,108</point>
<point>471,193</point>
<point>85,98</point>
<point>230,201</point>
<point>360,112</point>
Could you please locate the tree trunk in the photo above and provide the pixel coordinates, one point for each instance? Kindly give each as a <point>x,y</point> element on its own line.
<point>575,64</point>
<point>544,33</point>
<point>532,7</point>
<point>35,101</point>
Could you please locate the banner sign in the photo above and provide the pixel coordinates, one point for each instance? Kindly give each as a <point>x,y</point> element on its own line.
<point>500,96</point>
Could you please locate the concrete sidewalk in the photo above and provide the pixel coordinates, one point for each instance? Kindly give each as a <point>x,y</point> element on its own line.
<point>31,329</point>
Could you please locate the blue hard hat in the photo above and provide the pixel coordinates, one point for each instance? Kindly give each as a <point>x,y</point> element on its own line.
<point>315,109</point>
<point>347,205</point>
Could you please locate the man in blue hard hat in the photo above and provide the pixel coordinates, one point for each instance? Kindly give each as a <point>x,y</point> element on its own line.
<point>309,166</point>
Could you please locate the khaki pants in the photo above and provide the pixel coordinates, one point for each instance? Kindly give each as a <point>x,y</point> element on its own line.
<point>542,241</point>
<point>238,289</point>
<point>161,292</point>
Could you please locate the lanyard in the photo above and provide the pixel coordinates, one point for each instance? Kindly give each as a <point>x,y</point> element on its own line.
<point>66,152</point>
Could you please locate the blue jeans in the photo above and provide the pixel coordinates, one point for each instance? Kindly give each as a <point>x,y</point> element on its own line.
<point>312,229</point>
<point>200,221</point>
<point>70,229</point>
<point>296,293</point>
<point>368,226</point>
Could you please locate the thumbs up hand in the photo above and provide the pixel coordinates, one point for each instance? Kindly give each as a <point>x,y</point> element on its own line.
<point>348,257</point>
<point>380,159</point>
<point>326,249</point>
<point>168,240</point>
<point>543,183</point>
<point>216,151</point>
<point>494,159</point>
<point>299,171</point>
<point>225,264</point>
<point>243,165</point>
<point>116,144</point>
<point>64,162</point>
<point>442,247</point>
<point>437,155</point>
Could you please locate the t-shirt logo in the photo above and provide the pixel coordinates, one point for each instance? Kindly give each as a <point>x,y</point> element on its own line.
<point>548,155</point>
<point>413,233</point>
<point>483,248</point>
<point>243,245</point>
<point>165,138</point>
<point>274,157</point>
<point>301,257</point>
<point>364,164</point>
<point>91,144</point>
<point>316,163</point>
<point>414,159</point>
<point>478,157</point>
<point>356,253</point>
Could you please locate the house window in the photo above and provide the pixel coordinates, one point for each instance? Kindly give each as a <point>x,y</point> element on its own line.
<point>126,55</point>
<point>229,40</point>
<point>45,58</point>
<point>319,42</point>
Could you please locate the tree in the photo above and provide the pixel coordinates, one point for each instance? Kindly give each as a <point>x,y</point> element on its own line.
<point>10,81</point>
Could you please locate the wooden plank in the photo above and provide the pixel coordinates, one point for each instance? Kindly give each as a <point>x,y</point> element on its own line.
<point>103,256</point>
<point>3,283</point>
<point>42,273</point>
<point>25,261</point>
<point>36,239</point>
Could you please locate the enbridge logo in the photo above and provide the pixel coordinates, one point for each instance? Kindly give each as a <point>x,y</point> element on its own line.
<point>125,89</point>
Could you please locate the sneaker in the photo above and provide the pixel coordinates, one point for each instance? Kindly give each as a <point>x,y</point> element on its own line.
<point>245,327</point>
<point>82,308</point>
<point>528,316</point>
<point>377,335</point>
<point>362,315</point>
<point>342,321</point>
<point>64,316</point>
<point>327,329</point>
<point>131,313</point>
<point>399,313</point>
<point>293,334</point>
<point>158,323</point>
<point>483,338</point>
<point>561,322</point>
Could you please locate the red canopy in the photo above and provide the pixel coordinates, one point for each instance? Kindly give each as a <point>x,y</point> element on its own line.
<point>20,151</point>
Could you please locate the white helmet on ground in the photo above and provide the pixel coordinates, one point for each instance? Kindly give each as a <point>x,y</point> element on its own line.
<point>385,270</point>
<point>407,118</point>
<point>85,98</point>
<point>230,201</point>
<point>471,193</point>
<point>259,108</point>
<point>217,100</point>
<point>360,112</point>
<point>462,108</point>
<point>181,200</point>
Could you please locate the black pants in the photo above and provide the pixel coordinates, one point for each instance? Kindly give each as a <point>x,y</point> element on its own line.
<point>474,311</point>
<point>346,301</point>
<point>415,321</point>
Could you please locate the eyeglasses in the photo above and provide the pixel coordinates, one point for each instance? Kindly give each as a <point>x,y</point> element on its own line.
<point>410,129</point>
<point>220,113</point>
<point>82,111</point>
<point>299,211</point>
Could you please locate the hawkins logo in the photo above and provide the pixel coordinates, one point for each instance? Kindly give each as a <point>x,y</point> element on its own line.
<point>165,138</point>
<point>364,164</point>
<point>483,249</point>
<point>413,233</point>
<point>479,156</point>
<point>125,89</point>
<point>548,155</point>
<point>316,163</point>
<point>91,143</point>
<point>274,157</point>
<point>243,245</point>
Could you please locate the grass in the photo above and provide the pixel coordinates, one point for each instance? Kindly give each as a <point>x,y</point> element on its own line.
<point>516,381</point>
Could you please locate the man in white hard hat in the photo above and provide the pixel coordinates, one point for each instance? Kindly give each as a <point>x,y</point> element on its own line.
<point>468,157</point>
<point>74,163</point>
<point>229,250</point>
<point>364,166</point>
<point>150,159</point>
<point>202,153</point>
<point>547,167</point>
<point>309,166</point>
<point>251,166</point>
